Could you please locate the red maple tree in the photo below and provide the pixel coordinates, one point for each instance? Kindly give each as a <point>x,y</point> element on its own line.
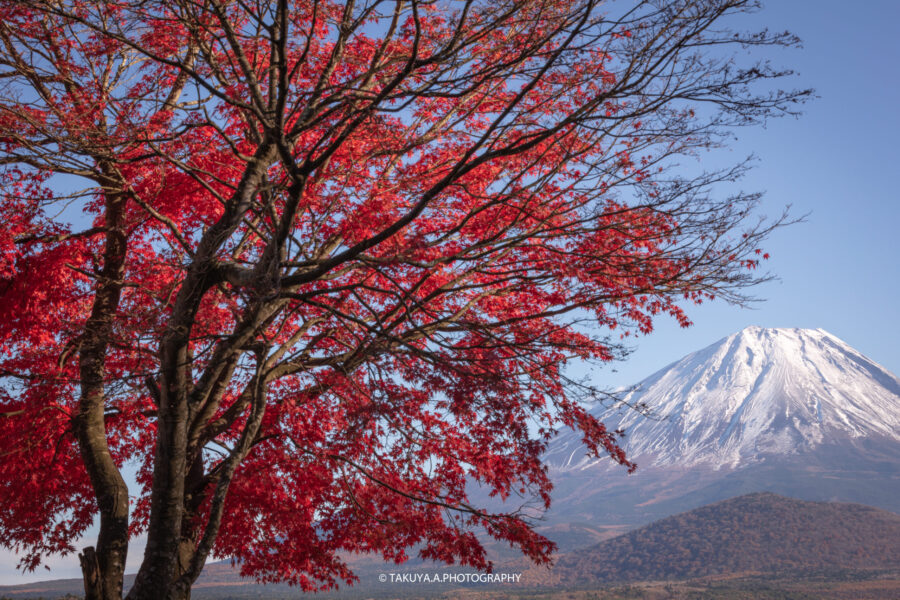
<point>317,266</point>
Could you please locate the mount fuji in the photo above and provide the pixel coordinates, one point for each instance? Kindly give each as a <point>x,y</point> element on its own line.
<point>756,393</point>
<point>797,412</point>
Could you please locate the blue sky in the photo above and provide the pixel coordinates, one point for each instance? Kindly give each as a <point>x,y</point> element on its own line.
<point>839,270</point>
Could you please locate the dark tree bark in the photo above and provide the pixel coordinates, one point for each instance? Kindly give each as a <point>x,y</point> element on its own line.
<point>105,567</point>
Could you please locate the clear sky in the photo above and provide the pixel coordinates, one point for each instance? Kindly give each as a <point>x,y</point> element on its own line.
<point>839,270</point>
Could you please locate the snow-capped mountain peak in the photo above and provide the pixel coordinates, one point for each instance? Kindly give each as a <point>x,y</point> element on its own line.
<point>755,393</point>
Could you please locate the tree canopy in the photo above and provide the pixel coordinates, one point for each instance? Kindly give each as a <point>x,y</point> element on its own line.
<point>317,266</point>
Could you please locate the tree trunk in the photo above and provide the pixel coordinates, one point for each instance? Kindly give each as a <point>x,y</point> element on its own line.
<point>103,569</point>
<point>158,569</point>
<point>158,575</point>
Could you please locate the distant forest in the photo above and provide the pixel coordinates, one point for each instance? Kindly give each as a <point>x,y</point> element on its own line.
<point>762,533</point>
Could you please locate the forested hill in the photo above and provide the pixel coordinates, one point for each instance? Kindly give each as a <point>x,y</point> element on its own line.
<point>753,533</point>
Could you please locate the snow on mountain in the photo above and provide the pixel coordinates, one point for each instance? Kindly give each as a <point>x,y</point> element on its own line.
<point>757,393</point>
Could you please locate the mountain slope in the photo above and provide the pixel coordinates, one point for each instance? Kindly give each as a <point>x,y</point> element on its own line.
<point>793,411</point>
<point>753,533</point>
<point>757,393</point>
